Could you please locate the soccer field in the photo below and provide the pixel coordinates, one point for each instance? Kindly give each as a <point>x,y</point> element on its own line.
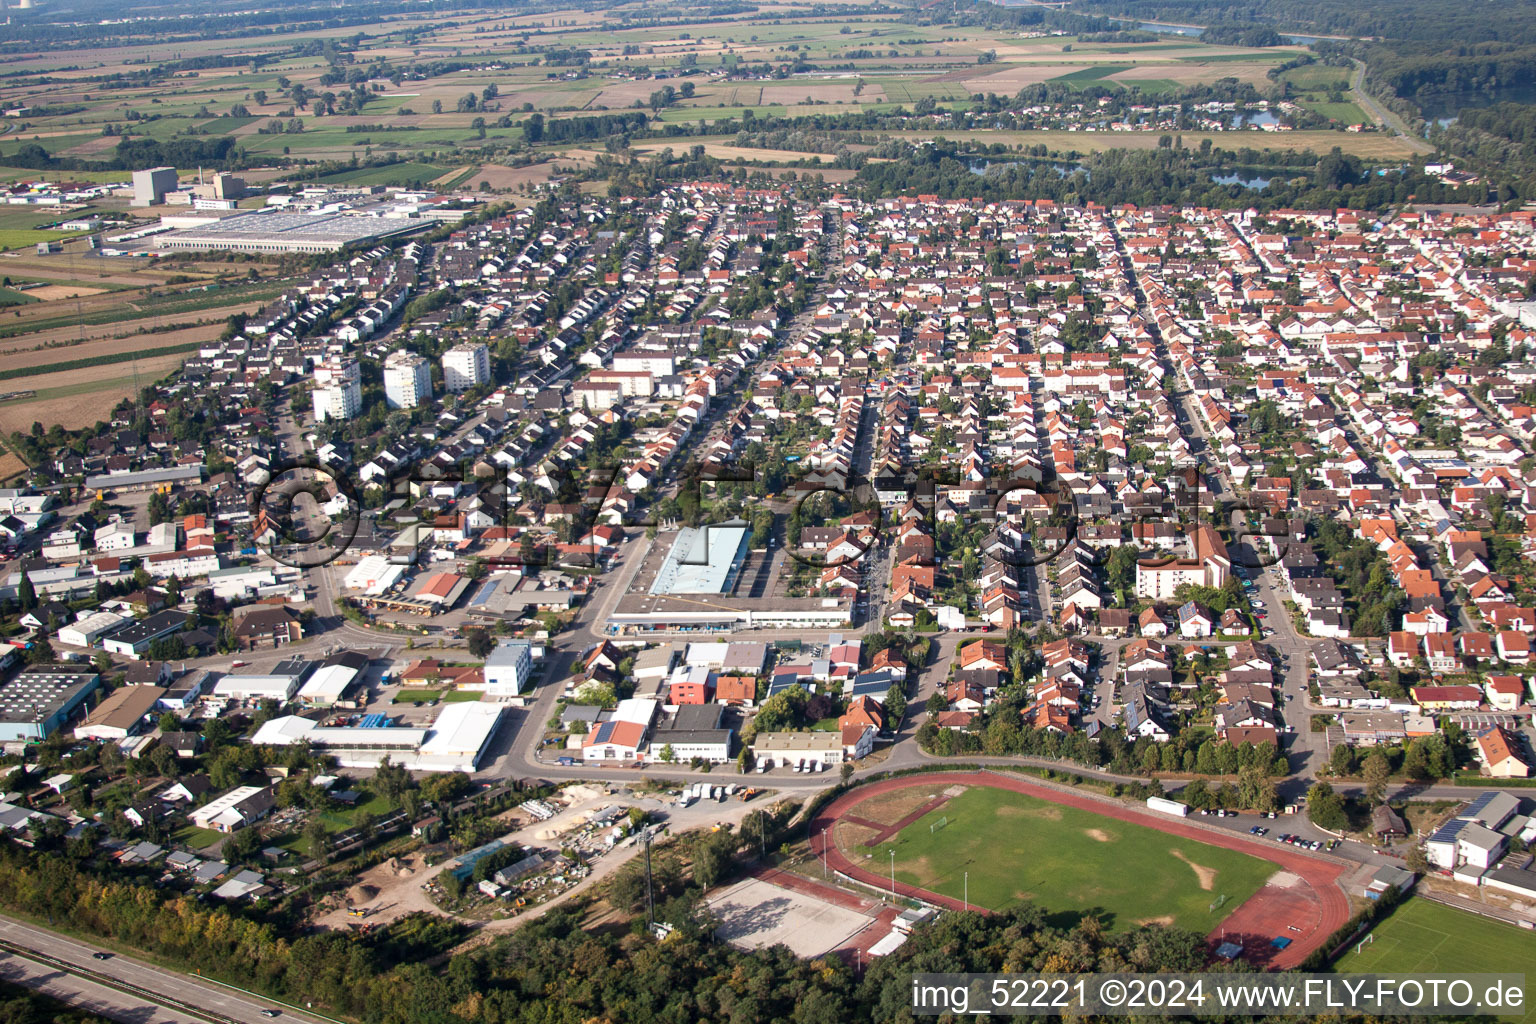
<point>1069,862</point>
<point>1422,937</point>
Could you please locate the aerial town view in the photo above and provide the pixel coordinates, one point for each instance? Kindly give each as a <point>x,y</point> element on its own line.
<point>599,512</point>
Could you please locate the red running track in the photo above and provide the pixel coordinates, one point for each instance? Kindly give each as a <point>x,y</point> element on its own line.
<point>1306,912</point>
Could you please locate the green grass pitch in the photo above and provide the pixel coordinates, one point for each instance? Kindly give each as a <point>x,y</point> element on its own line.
<point>1422,937</point>
<point>1069,862</point>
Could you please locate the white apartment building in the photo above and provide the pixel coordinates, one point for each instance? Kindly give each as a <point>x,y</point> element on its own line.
<point>338,393</point>
<point>407,380</point>
<point>466,366</point>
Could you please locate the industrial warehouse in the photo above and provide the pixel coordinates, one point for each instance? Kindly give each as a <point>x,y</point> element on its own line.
<point>264,232</point>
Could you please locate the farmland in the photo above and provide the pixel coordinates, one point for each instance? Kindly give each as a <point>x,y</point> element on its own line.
<point>876,63</point>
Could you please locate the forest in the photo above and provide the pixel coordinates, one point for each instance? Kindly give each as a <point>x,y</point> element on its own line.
<point>552,971</point>
<point>1170,174</point>
<point>1435,23</point>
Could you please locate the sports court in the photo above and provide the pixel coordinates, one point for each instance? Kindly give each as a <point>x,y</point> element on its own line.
<point>755,914</point>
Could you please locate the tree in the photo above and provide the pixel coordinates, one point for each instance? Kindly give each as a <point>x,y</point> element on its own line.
<point>1377,770</point>
<point>318,839</point>
<point>481,644</point>
<point>240,845</point>
<point>26,593</point>
<point>1341,761</point>
<point>1258,789</point>
<point>667,754</point>
<point>845,773</point>
<point>936,702</point>
<point>1416,861</point>
<point>1326,808</point>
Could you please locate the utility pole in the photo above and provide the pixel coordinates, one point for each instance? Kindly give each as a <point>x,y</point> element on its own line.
<point>967,892</point>
<point>893,876</point>
<point>650,899</point>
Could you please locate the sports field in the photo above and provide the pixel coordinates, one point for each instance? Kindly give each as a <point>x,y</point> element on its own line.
<point>1423,937</point>
<point>1068,861</point>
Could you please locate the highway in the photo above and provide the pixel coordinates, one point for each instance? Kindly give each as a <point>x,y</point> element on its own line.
<point>70,972</point>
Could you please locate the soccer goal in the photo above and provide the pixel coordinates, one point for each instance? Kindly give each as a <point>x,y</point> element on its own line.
<point>1368,940</point>
<point>938,824</point>
<point>1216,904</point>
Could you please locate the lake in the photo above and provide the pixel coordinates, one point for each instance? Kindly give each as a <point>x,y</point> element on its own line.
<point>1442,108</point>
<point>1164,28</point>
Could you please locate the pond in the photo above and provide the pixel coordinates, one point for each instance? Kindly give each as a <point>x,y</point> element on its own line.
<point>1247,179</point>
<point>980,167</point>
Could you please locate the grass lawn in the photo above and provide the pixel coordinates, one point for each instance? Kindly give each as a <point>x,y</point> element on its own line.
<point>1422,937</point>
<point>196,838</point>
<point>406,696</point>
<point>1070,862</point>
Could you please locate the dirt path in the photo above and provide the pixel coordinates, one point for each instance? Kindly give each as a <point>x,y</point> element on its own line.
<point>1315,899</point>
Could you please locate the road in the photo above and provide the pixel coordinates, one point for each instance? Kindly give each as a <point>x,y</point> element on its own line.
<point>71,959</point>
<point>1380,114</point>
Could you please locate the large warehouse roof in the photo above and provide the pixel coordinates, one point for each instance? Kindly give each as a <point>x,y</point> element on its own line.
<point>703,560</point>
<point>260,231</point>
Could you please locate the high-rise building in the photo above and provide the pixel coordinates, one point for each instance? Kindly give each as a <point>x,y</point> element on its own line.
<point>150,186</point>
<point>466,366</point>
<point>338,393</point>
<point>407,380</point>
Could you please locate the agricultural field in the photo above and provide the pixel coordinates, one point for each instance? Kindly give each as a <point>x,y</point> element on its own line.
<point>876,63</point>
<point>1068,861</point>
<point>1324,89</point>
<point>80,397</point>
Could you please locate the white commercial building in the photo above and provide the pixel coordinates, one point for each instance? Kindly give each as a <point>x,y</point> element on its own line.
<point>466,366</point>
<point>508,668</point>
<point>815,749</point>
<point>454,743</point>
<point>373,575</point>
<point>90,629</point>
<point>407,380</point>
<point>280,684</point>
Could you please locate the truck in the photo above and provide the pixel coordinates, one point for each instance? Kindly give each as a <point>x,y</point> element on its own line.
<point>1157,803</point>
